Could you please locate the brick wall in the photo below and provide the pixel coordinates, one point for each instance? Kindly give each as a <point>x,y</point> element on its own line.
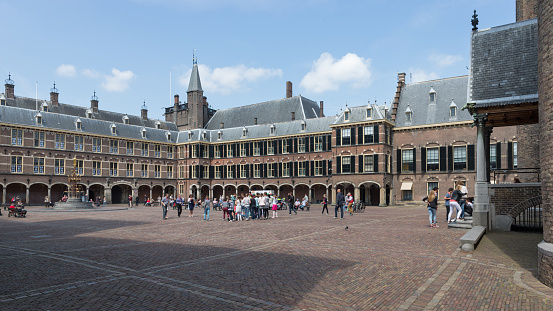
<point>526,9</point>
<point>505,197</point>
<point>528,150</point>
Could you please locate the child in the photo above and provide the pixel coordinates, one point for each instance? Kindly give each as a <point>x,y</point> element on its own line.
<point>275,207</point>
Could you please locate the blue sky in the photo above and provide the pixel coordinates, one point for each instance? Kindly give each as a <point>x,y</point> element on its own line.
<point>332,51</point>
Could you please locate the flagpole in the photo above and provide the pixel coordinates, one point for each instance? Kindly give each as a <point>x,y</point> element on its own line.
<point>36,95</point>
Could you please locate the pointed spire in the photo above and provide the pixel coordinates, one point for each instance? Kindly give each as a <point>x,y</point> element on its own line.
<point>195,84</point>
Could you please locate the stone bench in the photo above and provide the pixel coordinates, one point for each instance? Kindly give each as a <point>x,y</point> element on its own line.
<point>471,238</point>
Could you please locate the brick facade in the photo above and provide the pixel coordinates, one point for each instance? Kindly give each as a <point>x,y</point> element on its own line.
<point>506,197</point>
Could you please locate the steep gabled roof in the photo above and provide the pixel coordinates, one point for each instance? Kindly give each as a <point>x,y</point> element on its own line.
<point>195,84</point>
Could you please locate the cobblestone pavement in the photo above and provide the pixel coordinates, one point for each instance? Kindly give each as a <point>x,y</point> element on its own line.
<point>388,259</point>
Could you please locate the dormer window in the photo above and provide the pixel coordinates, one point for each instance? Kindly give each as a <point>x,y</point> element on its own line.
<point>189,135</point>
<point>39,119</point>
<point>45,106</point>
<point>369,113</point>
<point>113,129</point>
<point>89,114</point>
<point>78,125</point>
<point>125,119</point>
<point>168,134</point>
<point>244,132</point>
<point>303,126</point>
<point>408,115</point>
<point>204,135</point>
<point>432,94</point>
<point>272,131</point>
<point>2,100</point>
<point>143,133</point>
<point>219,135</point>
<point>452,110</point>
<point>158,125</point>
<point>346,116</point>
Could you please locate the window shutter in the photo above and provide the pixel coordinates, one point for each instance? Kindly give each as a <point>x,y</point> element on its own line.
<point>201,155</point>
<point>295,172</point>
<point>329,142</point>
<point>312,166</point>
<point>360,135</point>
<point>211,172</point>
<point>234,154</point>
<point>352,169</point>
<point>423,159</point>
<point>352,138</point>
<point>338,165</point>
<point>295,145</point>
<point>376,135</point>
<point>279,169</point>
<point>251,170</point>
<point>450,158</point>
<point>289,150</point>
<point>510,155</point>
<point>190,151</point>
<point>324,143</point>
<point>201,175</point>
<point>263,170</point>
<point>375,157</point>
<point>311,144</point>
<point>414,160</point>
<point>361,163</point>
<point>470,156</point>
<point>398,161</point>
<point>224,151</point>
<point>263,147</point>
<point>211,151</point>
<point>443,159</point>
<point>324,168</point>
<point>234,171</point>
<point>224,172</point>
<point>190,171</point>
<point>278,146</point>
<point>498,154</point>
<point>338,137</point>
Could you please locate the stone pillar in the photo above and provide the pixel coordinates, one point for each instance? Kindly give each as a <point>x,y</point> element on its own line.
<point>210,193</point>
<point>545,91</point>
<point>487,134</point>
<point>481,196</point>
<point>107,194</point>
<point>151,194</point>
<point>294,192</point>
<point>326,188</point>
<point>382,196</point>
<point>27,195</point>
<point>309,194</point>
<point>356,194</point>
<point>50,193</point>
<point>333,195</point>
<point>367,195</point>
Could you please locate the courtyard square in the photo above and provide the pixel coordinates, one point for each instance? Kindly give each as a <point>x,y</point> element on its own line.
<point>387,259</point>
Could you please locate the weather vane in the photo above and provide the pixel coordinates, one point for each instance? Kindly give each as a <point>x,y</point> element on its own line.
<point>474,21</point>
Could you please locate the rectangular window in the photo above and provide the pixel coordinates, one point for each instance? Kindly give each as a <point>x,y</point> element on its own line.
<point>79,166</point>
<point>407,195</point>
<point>318,168</point>
<point>243,168</point>
<point>60,141</point>
<point>157,171</point>
<point>346,165</point>
<point>130,169</point>
<point>205,174</point>
<point>318,143</point>
<point>493,158</point>
<point>112,169</point>
<point>113,146</point>
<point>286,169</point>
<point>38,167</point>
<point>301,168</point>
<point>96,168</point>
<point>169,171</point>
<point>515,155</point>
<point>271,147</point>
<point>181,188</point>
<point>181,172</point>
<point>144,170</point>
<point>230,173</point>
<point>407,164</point>
<point>285,146</point>
<point>459,158</point>
<point>388,164</point>
<point>230,154</point>
<point>157,151</point>
<point>96,144</point>
<point>256,171</point>
<point>205,153</point>
<point>17,164</point>
<point>433,159</point>
<point>79,143</point>
<point>144,150</point>
<point>431,185</point>
<point>217,151</point>
<point>39,139</point>
<point>194,172</point>
<point>301,144</point>
<point>270,170</point>
<point>169,152</point>
<point>368,164</point>
<point>369,113</point>
<point>346,137</point>
<point>256,149</point>
<point>59,166</point>
<point>130,148</point>
<point>17,137</point>
<point>368,134</point>
<point>218,172</point>
<point>194,151</point>
<point>181,152</point>
<point>242,149</point>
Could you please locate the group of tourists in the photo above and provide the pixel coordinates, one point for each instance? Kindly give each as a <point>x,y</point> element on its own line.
<point>457,204</point>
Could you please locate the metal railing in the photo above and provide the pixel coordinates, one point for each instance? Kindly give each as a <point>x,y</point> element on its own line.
<point>531,217</point>
<point>523,171</point>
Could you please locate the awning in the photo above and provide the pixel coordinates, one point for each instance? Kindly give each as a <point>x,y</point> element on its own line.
<point>407,185</point>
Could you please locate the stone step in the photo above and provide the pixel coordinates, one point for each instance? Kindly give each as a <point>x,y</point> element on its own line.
<point>459,225</point>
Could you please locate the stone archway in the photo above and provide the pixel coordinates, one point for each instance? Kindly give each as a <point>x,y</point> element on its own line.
<point>230,190</point>
<point>120,194</point>
<point>16,190</point>
<point>96,192</point>
<point>58,191</point>
<point>374,194</point>
<point>302,191</point>
<point>170,189</point>
<point>143,193</point>
<point>157,192</point>
<point>318,191</point>
<point>217,191</point>
<point>37,193</point>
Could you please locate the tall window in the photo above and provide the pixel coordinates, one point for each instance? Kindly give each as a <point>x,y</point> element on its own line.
<point>285,146</point>
<point>17,164</point>
<point>243,169</point>
<point>217,151</point>
<point>301,168</point>
<point>230,172</point>
<point>60,141</point>
<point>144,150</point>
<point>242,149</point>
<point>130,148</point>
<point>346,136</point>
<point>17,137</point>
<point>39,139</point>
<point>270,147</point>
<point>230,154</point>
<point>318,143</point>
<point>301,144</point>
<point>318,168</point>
<point>96,144</point>
<point>157,171</point>
<point>130,169</point>
<point>256,148</point>
<point>206,172</point>
<point>169,171</point>
<point>79,166</point>
<point>408,117</point>
<point>181,152</point>
<point>38,167</point>
<point>194,172</point>
<point>346,164</point>
<point>79,143</point>
<point>452,112</point>
<point>112,169</point>
<point>493,158</point>
<point>96,168</point>
<point>286,169</point>
<point>368,136</point>
<point>113,146</point>
<point>59,166</point>
<point>205,153</point>
<point>369,113</point>
<point>407,164</point>
<point>194,151</point>
<point>181,172</point>
<point>460,158</point>
<point>181,188</point>
<point>432,159</point>
<point>368,164</point>
<point>431,185</point>
<point>218,172</point>
<point>515,155</point>
<point>144,170</point>
<point>270,170</point>
<point>256,171</point>
<point>346,116</point>
<point>157,151</point>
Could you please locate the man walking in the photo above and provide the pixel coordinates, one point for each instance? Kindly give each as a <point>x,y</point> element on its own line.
<point>207,208</point>
<point>291,203</point>
<point>339,204</point>
<point>164,203</point>
<point>179,203</point>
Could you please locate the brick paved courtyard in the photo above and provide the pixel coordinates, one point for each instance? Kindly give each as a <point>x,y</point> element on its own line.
<point>388,259</point>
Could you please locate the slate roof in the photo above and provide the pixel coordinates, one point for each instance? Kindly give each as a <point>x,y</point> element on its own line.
<point>78,111</point>
<point>314,125</point>
<point>504,64</point>
<point>57,121</point>
<point>416,97</point>
<point>194,84</point>
<point>358,114</point>
<point>274,111</point>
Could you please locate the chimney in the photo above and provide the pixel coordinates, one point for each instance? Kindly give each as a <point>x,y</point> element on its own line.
<point>288,89</point>
<point>177,102</point>
<point>94,103</point>
<point>9,87</point>
<point>54,95</point>
<point>144,111</point>
<point>293,116</point>
<point>400,85</point>
<point>321,113</point>
<point>526,9</point>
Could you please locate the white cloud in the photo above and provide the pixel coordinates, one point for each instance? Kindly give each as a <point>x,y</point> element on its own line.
<point>419,75</point>
<point>118,81</point>
<point>89,73</point>
<point>66,70</point>
<point>443,60</point>
<point>227,79</point>
<point>327,73</point>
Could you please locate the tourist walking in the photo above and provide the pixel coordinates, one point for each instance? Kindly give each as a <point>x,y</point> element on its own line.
<point>454,203</point>
<point>191,204</point>
<point>262,202</point>
<point>207,208</point>
<point>432,201</point>
<point>291,204</point>
<point>275,207</point>
<point>339,204</point>
<point>447,198</point>
<point>179,202</point>
<point>463,200</point>
<point>225,205</point>
<point>325,204</point>
<point>137,201</point>
<point>246,204</point>
<point>130,200</point>
<point>238,208</point>
<point>349,202</point>
<point>164,203</point>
